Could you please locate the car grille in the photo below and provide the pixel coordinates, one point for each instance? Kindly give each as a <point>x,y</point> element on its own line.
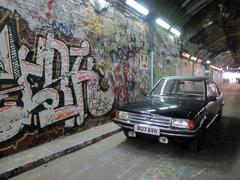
<point>150,119</point>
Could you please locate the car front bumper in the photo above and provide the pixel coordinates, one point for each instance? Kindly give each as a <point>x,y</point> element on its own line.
<point>164,131</point>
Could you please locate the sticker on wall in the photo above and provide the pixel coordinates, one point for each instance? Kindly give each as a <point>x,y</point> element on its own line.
<point>143,62</point>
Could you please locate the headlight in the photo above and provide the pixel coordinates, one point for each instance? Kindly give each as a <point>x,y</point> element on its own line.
<point>122,115</point>
<point>183,123</point>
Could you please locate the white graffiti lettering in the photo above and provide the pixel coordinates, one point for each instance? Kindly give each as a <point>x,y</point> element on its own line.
<point>49,85</point>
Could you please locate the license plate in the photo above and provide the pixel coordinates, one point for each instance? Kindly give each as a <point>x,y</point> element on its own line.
<point>147,129</point>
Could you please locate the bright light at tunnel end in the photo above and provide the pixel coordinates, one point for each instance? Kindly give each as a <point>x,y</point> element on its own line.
<point>137,7</point>
<point>174,31</point>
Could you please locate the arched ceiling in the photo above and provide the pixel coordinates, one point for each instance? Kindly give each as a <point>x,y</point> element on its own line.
<point>210,28</point>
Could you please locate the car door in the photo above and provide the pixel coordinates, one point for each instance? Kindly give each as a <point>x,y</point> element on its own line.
<point>219,97</point>
<point>212,105</point>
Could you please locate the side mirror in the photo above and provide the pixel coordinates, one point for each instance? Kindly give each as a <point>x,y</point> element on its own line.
<point>211,98</point>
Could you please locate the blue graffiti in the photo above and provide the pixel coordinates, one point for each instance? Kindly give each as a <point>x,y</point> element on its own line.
<point>63,27</point>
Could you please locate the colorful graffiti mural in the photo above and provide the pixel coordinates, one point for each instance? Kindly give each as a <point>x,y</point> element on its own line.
<point>51,79</point>
<point>48,88</point>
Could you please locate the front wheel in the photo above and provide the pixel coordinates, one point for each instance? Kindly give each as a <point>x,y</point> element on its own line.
<point>198,142</point>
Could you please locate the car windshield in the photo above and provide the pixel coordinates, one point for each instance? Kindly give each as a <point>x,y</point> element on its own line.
<point>179,87</point>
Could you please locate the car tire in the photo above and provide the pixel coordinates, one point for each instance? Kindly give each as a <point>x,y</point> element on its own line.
<point>219,117</point>
<point>197,143</point>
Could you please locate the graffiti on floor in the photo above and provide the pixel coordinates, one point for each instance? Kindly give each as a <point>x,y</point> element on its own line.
<point>52,82</point>
<point>172,170</point>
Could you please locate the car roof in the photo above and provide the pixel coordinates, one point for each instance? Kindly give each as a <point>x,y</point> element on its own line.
<point>187,78</point>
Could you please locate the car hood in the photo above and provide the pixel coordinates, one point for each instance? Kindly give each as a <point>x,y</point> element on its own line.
<point>166,106</point>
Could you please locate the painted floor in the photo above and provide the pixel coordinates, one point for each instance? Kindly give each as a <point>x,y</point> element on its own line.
<point>146,159</point>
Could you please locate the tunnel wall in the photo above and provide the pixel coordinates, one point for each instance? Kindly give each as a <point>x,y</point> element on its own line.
<point>166,55</point>
<point>64,65</point>
<point>217,76</point>
<point>167,59</point>
<point>199,69</point>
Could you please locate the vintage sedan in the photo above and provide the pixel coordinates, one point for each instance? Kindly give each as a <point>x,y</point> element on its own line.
<point>177,107</point>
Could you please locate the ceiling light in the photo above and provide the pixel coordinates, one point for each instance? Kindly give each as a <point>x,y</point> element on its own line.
<point>216,68</point>
<point>137,7</point>
<point>193,58</point>
<point>174,31</point>
<point>186,55</point>
<point>162,23</point>
<point>208,62</point>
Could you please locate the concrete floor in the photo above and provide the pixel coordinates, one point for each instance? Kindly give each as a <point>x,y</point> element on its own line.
<point>145,159</point>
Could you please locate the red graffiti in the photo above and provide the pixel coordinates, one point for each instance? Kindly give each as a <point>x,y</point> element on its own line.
<point>24,29</point>
<point>48,15</point>
<point>49,5</point>
<point>120,73</point>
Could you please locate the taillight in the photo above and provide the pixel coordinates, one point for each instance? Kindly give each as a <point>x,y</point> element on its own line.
<point>191,124</point>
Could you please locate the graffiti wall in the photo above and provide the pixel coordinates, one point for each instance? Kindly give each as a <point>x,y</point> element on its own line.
<point>217,76</point>
<point>66,64</point>
<point>167,61</point>
<point>199,69</point>
<point>189,68</point>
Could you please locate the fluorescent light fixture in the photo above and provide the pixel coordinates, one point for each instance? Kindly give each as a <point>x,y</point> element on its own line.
<point>137,7</point>
<point>186,55</point>
<point>162,23</point>
<point>216,68</point>
<point>163,108</point>
<point>174,31</point>
<point>193,58</point>
<point>208,62</point>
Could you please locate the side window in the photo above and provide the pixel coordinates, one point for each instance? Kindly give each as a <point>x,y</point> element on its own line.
<point>209,90</point>
<point>212,90</point>
<point>215,90</point>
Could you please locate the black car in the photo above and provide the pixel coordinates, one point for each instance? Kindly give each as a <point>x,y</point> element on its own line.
<point>177,107</point>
